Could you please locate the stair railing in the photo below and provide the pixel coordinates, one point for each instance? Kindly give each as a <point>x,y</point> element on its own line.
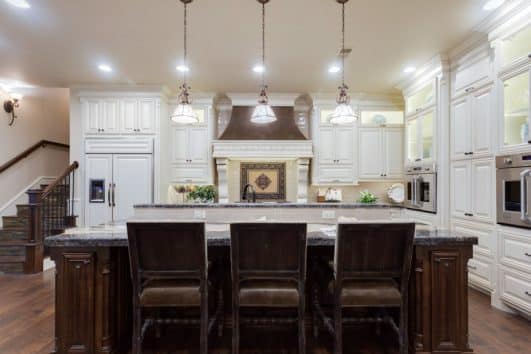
<point>29,151</point>
<point>51,210</point>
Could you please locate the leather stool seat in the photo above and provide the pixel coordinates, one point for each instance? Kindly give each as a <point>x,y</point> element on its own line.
<point>269,293</point>
<point>370,293</point>
<point>171,293</point>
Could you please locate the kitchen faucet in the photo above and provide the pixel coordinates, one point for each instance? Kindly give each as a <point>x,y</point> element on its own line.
<point>245,194</point>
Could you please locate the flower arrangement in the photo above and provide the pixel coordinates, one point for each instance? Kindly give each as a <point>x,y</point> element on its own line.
<point>367,197</point>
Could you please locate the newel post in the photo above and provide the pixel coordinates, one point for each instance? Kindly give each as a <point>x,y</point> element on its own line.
<point>34,247</point>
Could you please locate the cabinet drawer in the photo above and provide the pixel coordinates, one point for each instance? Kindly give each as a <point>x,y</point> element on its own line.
<point>480,273</point>
<point>515,289</point>
<point>484,234</point>
<point>515,251</point>
<point>189,174</point>
<point>329,174</point>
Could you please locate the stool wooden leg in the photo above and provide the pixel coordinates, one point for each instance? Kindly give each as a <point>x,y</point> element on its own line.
<point>137,331</point>
<point>302,329</point>
<point>338,329</point>
<point>235,331</point>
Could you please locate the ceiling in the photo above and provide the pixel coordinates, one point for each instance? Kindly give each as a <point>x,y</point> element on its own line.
<point>60,43</point>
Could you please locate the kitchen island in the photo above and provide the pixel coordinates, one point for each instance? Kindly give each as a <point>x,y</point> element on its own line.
<point>93,289</point>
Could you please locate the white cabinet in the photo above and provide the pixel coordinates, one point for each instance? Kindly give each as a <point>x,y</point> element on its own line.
<point>114,184</point>
<point>190,154</point>
<point>335,155</point>
<point>514,273</point>
<point>472,189</point>
<point>119,115</point>
<point>473,75</point>
<point>420,136</point>
<point>471,121</point>
<point>381,153</point>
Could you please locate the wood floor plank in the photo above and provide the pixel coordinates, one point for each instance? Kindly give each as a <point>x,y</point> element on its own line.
<point>27,309</point>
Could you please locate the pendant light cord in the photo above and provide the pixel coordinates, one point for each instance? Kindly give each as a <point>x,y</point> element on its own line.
<point>185,41</point>
<point>263,43</point>
<point>343,44</point>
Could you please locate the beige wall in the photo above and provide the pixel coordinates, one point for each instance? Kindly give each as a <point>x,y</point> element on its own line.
<point>43,114</point>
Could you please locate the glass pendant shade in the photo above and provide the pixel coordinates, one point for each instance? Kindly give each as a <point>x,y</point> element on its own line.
<point>263,114</point>
<point>343,114</point>
<point>184,114</point>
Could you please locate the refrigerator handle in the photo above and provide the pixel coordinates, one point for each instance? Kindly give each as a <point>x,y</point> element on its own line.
<point>109,194</point>
<point>113,194</point>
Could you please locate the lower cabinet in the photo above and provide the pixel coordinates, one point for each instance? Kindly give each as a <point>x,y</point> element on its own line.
<point>481,268</point>
<point>441,299</point>
<point>514,273</point>
<point>472,190</point>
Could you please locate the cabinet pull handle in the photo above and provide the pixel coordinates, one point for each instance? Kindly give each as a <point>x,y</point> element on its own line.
<point>472,267</point>
<point>417,160</point>
<point>527,254</point>
<point>471,88</point>
<point>528,293</point>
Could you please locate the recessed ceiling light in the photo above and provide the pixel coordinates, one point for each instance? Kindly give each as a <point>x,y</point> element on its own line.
<point>105,68</point>
<point>334,69</point>
<point>410,69</point>
<point>23,4</point>
<point>183,68</point>
<point>258,68</point>
<point>493,5</point>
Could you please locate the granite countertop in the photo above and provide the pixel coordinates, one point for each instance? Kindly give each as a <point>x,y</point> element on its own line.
<point>340,205</point>
<point>116,236</point>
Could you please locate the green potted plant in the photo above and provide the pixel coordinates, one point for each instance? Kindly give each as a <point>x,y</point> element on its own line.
<point>202,194</point>
<point>367,197</point>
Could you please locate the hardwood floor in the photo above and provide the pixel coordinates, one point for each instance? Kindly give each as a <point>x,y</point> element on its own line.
<point>27,308</point>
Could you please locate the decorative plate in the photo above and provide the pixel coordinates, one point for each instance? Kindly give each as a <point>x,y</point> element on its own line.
<point>396,193</point>
<point>379,119</point>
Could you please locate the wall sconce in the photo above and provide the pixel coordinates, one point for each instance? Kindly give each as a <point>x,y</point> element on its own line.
<point>11,104</point>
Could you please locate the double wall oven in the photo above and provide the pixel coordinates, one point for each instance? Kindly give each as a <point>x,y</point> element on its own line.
<point>421,188</point>
<point>513,176</point>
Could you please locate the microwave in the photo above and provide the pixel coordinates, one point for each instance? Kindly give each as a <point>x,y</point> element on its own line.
<point>513,174</point>
<point>421,188</point>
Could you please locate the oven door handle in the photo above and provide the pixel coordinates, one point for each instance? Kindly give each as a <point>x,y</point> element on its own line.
<point>523,195</point>
<point>414,187</point>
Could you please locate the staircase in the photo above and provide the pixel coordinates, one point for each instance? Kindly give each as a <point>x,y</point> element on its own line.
<point>49,211</point>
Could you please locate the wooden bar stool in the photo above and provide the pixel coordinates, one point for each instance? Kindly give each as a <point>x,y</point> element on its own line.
<point>169,269</point>
<point>371,269</point>
<point>268,272</point>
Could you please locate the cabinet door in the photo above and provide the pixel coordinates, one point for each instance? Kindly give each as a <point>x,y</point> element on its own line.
<point>98,185</point>
<point>327,145</point>
<point>481,110</point>
<point>460,128</point>
<point>427,135</point>
<point>446,301</point>
<point>129,115</point>
<point>198,145</point>
<point>344,145</point>
<point>483,186</point>
<point>132,184</point>
<point>76,295</point>
<point>110,117</point>
<point>92,115</point>
<point>146,115</point>
<point>180,144</point>
<point>393,152</point>
<point>370,153</point>
<point>460,188</point>
<point>412,136</point>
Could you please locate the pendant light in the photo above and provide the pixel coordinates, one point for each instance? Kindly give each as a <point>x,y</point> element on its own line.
<point>184,113</point>
<point>263,113</point>
<point>343,114</point>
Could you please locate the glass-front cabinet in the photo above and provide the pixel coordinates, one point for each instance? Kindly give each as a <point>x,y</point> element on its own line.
<point>382,118</point>
<point>420,137</point>
<point>516,109</point>
<point>421,99</point>
<point>516,47</point>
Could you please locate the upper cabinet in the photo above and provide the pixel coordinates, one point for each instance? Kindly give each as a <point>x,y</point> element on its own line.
<point>420,136</point>
<point>471,121</point>
<point>512,45</point>
<point>190,150</point>
<point>421,99</point>
<point>112,115</point>
<point>334,161</point>
<point>381,145</point>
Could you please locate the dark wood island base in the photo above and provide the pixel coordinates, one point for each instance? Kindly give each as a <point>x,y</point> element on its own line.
<point>93,290</point>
